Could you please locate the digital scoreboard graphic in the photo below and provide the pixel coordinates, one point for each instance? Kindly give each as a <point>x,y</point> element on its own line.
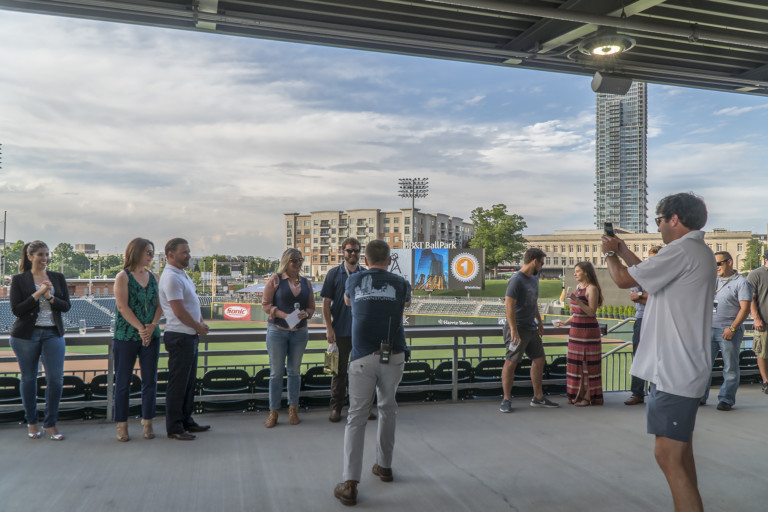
<point>442,269</point>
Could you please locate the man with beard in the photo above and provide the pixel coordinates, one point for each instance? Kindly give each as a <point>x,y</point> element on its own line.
<point>523,330</point>
<point>338,320</point>
<point>184,325</point>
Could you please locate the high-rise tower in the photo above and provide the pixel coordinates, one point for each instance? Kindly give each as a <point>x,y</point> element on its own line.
<point>620,159</point>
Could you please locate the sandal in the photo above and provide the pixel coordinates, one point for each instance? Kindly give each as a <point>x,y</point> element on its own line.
<point>582,403</point>
<point>53,434</point>
<point>33,435</point>
<point>122,432</point>
<point>146,426</point>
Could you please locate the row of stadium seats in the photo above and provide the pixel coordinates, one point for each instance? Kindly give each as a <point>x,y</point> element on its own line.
<point>97,312</point>
<point>235,380</point>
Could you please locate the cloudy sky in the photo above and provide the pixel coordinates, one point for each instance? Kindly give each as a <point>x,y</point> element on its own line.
<point>114,131</point>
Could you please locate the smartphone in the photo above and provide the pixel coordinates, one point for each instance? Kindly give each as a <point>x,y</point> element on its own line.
<point>609,229</point>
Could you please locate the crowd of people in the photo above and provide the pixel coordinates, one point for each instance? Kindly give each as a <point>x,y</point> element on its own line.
<point>691,304</point>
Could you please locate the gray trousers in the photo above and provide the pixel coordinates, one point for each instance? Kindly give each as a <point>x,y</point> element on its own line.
<point>366,375</point>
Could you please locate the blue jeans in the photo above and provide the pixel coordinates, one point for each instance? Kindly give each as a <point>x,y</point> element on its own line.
<point>48,345</point>
<point>125,359</point>
<point>282,344</point>
<point>730,350</point>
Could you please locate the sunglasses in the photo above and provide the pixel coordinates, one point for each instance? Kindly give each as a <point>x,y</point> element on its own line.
<point>721,263</point>
<point>352,251</point>
<point>150,253</point>
<point>658,220</point>
<point>296,260</point>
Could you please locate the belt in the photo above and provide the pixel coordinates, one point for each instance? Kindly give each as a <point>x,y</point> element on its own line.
<point>394,352</point>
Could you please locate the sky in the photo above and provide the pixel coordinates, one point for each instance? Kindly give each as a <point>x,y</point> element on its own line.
<point>114,131</point>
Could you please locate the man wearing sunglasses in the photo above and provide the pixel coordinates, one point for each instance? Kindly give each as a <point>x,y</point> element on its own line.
<point>338,319</point>
<point>676,338</point>
<point>733,298</point>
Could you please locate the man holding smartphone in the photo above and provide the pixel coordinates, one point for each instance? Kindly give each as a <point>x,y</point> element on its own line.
<point>675,342</point>
<point>377,298</point>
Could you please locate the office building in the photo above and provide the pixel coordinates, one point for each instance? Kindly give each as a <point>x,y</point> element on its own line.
<point>318,235</point>
<point>621,191</point>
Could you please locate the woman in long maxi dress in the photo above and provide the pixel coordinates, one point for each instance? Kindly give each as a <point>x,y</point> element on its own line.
<point>584,383</point>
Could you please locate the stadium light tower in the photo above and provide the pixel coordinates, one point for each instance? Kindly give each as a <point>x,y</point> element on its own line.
<point>413,188</point>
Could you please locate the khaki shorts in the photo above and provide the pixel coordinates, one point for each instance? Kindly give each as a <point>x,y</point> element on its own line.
<point>530,345</point>
<point>760,344</point>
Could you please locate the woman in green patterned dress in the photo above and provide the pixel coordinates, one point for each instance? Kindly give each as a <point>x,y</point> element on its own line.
<point>136,335</point>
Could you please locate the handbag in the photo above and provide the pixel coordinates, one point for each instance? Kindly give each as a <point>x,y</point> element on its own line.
<point>331,365</point>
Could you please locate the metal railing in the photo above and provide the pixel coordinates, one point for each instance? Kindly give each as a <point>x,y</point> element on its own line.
<point>615,367</point>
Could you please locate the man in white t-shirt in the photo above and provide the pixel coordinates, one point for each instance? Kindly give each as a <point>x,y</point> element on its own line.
<point>675,347</point>
<point>184,325</point>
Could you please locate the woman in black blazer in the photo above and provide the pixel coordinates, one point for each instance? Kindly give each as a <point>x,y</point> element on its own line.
<point>38,298</point>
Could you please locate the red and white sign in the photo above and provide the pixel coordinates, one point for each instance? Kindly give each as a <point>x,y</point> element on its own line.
<point>237,311</point>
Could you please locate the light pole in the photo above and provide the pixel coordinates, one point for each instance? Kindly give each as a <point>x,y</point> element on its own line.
<point>413,188</point>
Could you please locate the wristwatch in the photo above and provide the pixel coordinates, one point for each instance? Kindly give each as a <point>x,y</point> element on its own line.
<point>642,294</point>
<point>609,253</point>
<point>732,329</point>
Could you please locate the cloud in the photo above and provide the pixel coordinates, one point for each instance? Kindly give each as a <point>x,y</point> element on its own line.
<point>115,131</point>
<point>735,111</point>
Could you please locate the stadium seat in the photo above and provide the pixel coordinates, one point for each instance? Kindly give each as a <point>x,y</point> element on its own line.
<point>750,373</point>
<point>443,374</point>
<point>415,373</point>
<point>162,385</point>
<point>315,379</point>
<point>73,390</point>
<point>10,393</point>
<point>97,390</point>
<point>555,370</point>
<point>261,385</point>
<point>522,375</point>
<point>224,381</point>
<point>489,370</point>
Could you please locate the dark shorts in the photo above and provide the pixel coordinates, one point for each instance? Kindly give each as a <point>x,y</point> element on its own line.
<point>671,416</point>
<point>530,345</point>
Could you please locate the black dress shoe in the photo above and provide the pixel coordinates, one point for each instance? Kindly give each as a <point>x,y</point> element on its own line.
<point>181,436</point>
<point>198,428</point>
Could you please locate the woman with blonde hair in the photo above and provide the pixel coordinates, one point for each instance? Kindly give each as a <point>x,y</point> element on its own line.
<point>584,382</point>
<point>38,298</point>
<point>136,335</point>
<point>289,301</point>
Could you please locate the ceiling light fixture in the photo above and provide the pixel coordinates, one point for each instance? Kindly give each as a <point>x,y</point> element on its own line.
<point>606,43</point>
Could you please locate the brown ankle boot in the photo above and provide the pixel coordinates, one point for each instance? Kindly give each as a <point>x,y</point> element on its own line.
<point>271,419</point>
<point>346,492</point>
<point>293,415</point>
<point>146,427</point>
<point>122,431</point>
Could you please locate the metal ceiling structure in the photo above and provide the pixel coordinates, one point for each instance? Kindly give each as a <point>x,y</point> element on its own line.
<point>710,44</point>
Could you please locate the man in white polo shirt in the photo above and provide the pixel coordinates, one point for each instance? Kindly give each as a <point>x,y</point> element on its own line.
<point>675,347</point>
<point>184,324</point>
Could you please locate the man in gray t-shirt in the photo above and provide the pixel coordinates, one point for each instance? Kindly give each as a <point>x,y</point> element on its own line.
<point>733,297</point>
<point>523,330</point>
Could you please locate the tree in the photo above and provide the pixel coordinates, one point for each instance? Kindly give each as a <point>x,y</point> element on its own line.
<point>61,260</point>
<point>12,256</point>
<point>499,233</point>
<point>752,255</point>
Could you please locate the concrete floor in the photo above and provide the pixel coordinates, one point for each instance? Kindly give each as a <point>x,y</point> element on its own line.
<point>448,457</point>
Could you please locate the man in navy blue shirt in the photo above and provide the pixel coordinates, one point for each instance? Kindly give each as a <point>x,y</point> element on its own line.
<point>377,298</point>
<point>338,319</point>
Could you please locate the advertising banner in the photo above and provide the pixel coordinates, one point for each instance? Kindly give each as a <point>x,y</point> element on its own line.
<point>466,269</point>
<point>237,312</point>
<point>402,263</point>
<point>448,269</point>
